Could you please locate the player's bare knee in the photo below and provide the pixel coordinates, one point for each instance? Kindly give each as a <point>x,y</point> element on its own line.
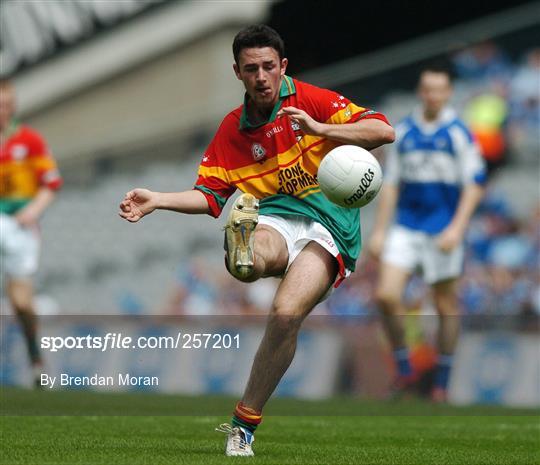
<point>262,237</point>
<point>271,249</point>
<point>286,317</point>
<point>284,323</point>
<point>22,303</point>
<point>447,306</point>
<point>20,295</point>
<point>23,310</point>
<point>445,299</point>
<point>387,301</point>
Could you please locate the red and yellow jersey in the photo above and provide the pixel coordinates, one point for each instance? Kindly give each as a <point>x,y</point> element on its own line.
<point>278,163</point>
<point>25,167</point>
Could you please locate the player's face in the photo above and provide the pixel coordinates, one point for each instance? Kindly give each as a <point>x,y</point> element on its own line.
<point>260,69</point>
<point>434,90</point>
<point>7,106</point>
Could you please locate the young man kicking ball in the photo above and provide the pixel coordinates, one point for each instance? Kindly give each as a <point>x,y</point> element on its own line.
<point>270,148</point>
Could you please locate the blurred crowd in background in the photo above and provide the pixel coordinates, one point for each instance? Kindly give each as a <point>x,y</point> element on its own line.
<point>502,107</point>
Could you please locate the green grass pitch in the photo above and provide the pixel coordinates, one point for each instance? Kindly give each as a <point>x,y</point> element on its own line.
<point>81,427</point>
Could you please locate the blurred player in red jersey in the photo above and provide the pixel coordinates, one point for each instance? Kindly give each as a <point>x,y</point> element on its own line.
<point>28,181</point>
<point>270,148</point>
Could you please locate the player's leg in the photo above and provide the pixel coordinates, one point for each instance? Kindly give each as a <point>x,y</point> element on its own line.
<point>20,294</point>
<point>447,305</point>
<point>400,256</point>
<point>271,254</point>
<point>388,295</point>
<point>442,271</point>
<point>307,281</point>
<point>252,250</point>
<point>19,253</point>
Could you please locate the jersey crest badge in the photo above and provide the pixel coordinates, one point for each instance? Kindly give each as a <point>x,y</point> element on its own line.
<point>258,152</point>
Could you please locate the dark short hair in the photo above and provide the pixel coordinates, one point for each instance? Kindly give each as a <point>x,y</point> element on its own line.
<point>439,67</point>
<point>258,36</point>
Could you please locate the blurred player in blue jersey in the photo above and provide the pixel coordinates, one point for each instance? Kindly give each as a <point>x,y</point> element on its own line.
<point>434,178</point>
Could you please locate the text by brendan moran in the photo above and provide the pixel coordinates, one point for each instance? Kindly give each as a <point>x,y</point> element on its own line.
<point>122,379</point>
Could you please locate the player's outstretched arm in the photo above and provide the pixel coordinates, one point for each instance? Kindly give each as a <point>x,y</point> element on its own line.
<point>141,202</point>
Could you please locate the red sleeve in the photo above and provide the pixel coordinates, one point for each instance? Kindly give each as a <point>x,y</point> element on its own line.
<point>44,164</point>
<point>212,178</point>
<point>369,114</point>
<point>327,106</point>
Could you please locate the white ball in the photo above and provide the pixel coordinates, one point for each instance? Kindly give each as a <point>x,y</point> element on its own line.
<point>350,176</point>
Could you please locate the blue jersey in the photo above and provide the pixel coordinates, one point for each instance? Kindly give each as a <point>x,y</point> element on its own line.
<point>430,162</point>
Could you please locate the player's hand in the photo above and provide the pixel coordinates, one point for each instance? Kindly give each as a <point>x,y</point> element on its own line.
<point>307,124</point>
<point>376,245</point>
<point>27,218</point>
<point>138,203</point>
<point>449,239</point>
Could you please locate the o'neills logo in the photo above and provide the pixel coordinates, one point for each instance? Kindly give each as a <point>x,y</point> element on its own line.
<point>365,182</point>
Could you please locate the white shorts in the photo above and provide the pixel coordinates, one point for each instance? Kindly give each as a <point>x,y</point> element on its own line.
<point>298,231</point>
<point>409,249</point>
<point>19,248</point>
